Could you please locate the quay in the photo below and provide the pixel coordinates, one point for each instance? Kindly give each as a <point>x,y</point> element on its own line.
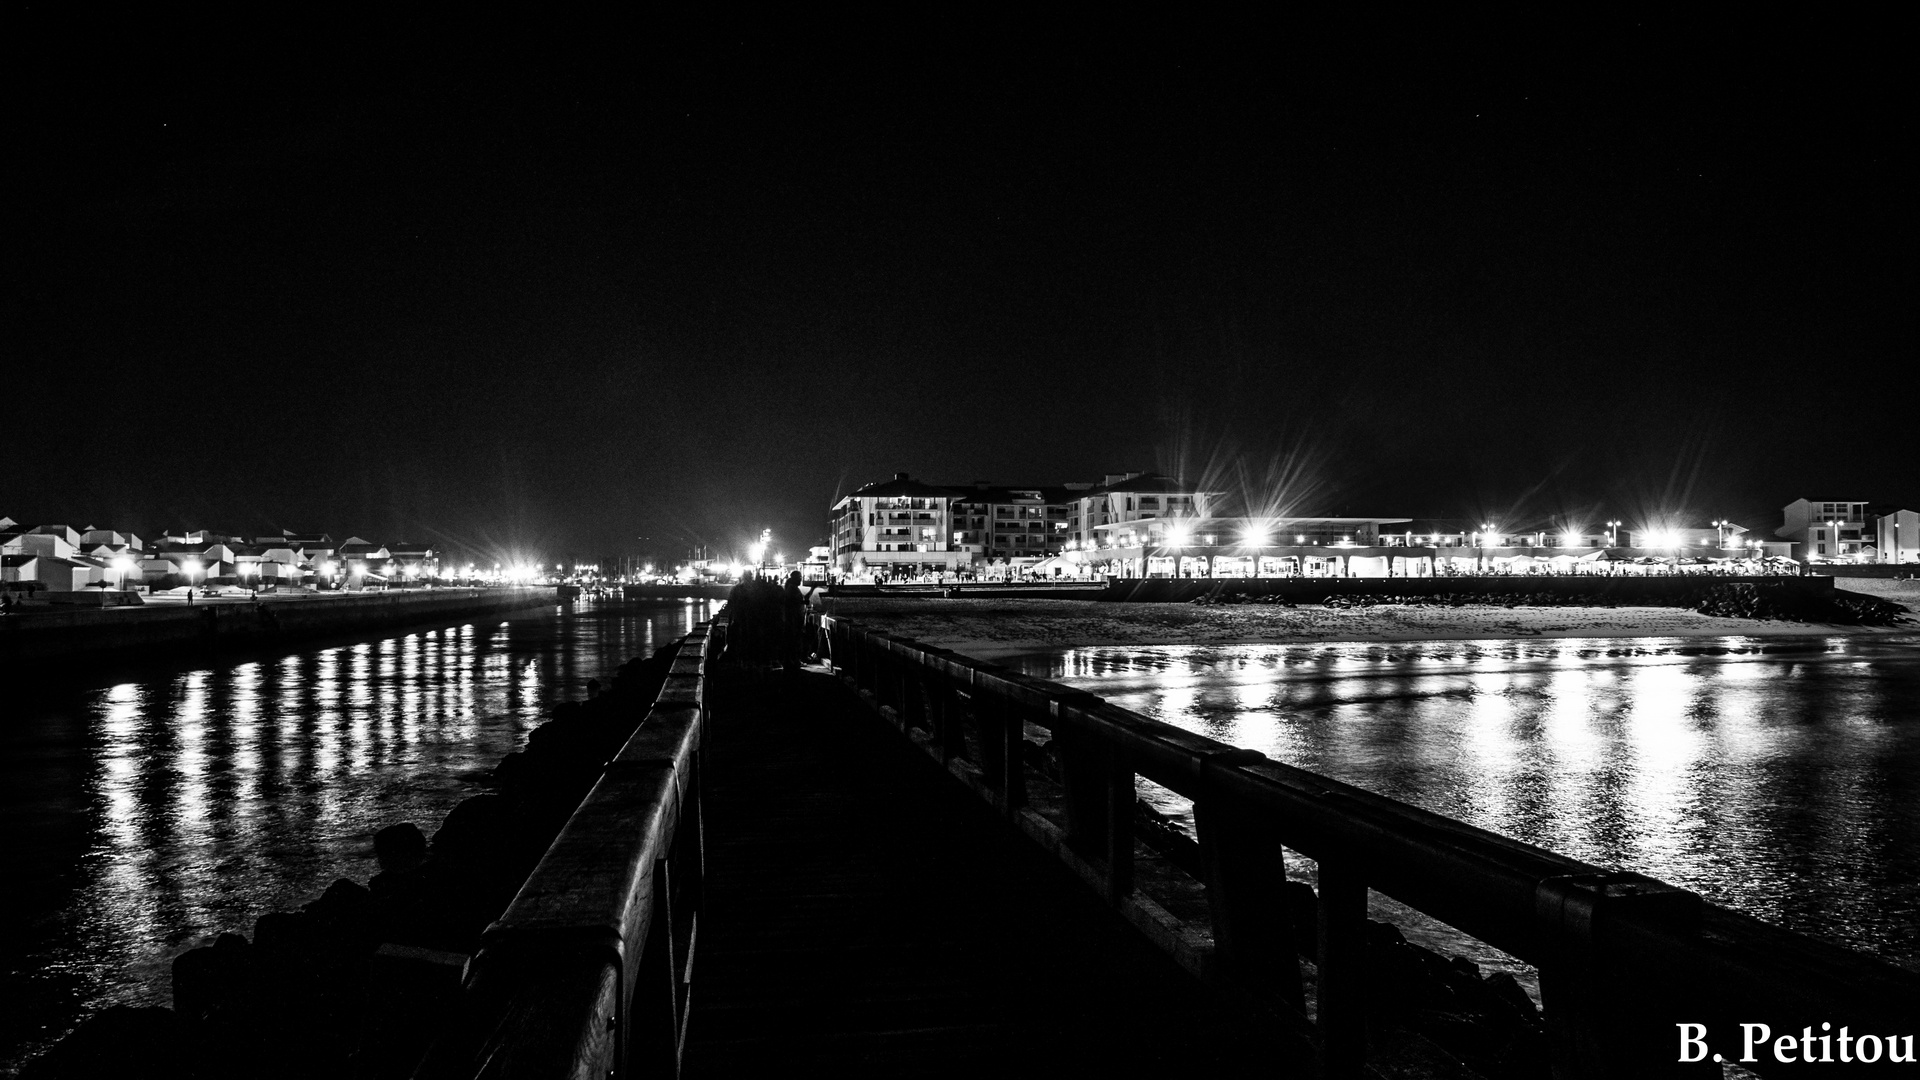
<point>1659,589</point>
<point>62,632</point>
<point>907,861</point>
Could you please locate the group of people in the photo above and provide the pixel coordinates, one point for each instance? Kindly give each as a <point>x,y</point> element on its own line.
<point>767,623</point>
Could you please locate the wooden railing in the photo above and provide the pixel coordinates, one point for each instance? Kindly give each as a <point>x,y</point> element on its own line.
<point>587,973</point>
<point>1624,959</point>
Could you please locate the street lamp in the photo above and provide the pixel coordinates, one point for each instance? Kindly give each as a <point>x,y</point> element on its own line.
<point>1613,533</point>
<point>190,568</point>
<point>123,564</point>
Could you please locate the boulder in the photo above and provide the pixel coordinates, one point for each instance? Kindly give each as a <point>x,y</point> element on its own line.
<point>400,847</point>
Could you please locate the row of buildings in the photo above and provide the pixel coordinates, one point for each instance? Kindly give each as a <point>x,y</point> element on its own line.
<point>63,559</point>
<point>1141,524</point>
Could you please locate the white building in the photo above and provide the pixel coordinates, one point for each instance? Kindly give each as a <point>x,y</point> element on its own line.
<point>1851,530</point>
<point>896,527</point>
<point>1126,497</point>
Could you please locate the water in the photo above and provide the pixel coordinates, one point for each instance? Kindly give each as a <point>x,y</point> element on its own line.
<point>1780,777</point>
<point>147,813</point>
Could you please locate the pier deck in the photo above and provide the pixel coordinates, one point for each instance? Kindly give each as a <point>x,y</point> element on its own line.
<point>861,920</point>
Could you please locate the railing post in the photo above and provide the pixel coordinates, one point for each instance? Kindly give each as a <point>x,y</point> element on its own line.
<point>652,1040</point>
<point>1603,1022</point>
<point>1246,894</point>
<point>1008,730</point>
<point>947,726</point>
<point>901,685</point>
<point>1100,797</point>
<point>1341,1016</point>
<point>1002,747</point>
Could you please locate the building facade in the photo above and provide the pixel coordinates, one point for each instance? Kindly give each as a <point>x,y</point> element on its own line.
<point>896,527</point>
<point>1850,531</point>
<point>903,526</point>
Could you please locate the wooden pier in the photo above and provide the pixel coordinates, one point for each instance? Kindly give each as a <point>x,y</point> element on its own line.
<point>913,863</point>
<point>863,918</point>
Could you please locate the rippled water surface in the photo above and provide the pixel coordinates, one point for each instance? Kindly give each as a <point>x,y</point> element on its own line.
<point>1780,777</point>
<point>148,812</point>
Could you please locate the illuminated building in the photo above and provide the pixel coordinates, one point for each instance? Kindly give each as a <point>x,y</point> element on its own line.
<point>1834,530</point>
<point>896,527</point>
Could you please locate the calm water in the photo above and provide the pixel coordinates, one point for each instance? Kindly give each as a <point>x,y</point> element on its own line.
<point>148,813</point>
<point>1783,782</point>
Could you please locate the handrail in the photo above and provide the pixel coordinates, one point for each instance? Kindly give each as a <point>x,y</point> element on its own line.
<point>587,972</point>
<point>1624,958</point>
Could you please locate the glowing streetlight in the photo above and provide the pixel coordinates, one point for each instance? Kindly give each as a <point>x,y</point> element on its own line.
<point>1613,533</point>
<point>125,566</point>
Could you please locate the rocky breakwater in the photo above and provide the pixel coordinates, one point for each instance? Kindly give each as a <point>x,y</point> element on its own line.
<point>1748,600</point>
<point>1780,601</point>
<point>353,983</point>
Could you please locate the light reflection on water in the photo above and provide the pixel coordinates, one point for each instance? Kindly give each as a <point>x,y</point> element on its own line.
<point>1777,776</point>
<point>153,813</point>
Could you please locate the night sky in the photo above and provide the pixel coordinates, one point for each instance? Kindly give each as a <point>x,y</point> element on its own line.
<point>589,284</point>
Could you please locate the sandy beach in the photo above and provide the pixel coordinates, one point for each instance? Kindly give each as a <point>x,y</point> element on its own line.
<point>993,628</point>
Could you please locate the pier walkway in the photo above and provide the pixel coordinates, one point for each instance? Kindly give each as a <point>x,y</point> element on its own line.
<point>917,864</point>
<point>862,918</point>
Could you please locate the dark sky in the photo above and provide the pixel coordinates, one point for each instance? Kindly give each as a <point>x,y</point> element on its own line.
<point>587,284</point>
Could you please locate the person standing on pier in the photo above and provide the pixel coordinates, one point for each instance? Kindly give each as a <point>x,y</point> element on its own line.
<point>793,624</point>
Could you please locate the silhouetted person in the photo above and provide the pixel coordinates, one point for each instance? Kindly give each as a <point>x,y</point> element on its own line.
<point>793,620</point>
<point>740,620</point>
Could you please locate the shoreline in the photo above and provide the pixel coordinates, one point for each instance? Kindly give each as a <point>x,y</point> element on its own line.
<point>999,629</point>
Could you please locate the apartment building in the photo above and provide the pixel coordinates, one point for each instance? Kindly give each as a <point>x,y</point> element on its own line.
<point>1120,498</point>
<point>1850,530</point>
<point>905,526</point>
<point>1009,523</point>
<point>897,526</point>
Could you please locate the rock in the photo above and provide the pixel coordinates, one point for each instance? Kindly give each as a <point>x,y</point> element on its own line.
<point>400,847</point>
<point>342,916</point>
<point>1510,993</point>
<point>480,825</point>
<point>213,978</point>
<point>281,932</point>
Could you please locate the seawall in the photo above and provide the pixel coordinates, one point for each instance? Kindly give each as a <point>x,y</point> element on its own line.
<point>675,592</point>
<point>71,633</point>
<point>1663,591</point>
